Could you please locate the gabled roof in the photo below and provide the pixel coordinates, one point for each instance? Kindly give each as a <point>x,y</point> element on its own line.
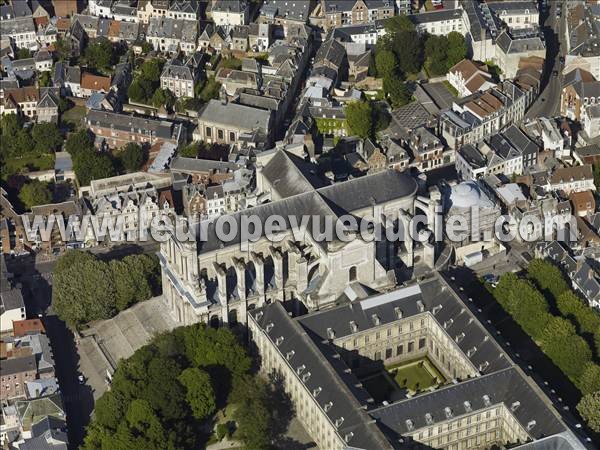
<point>95,82</point>
<point>290,175</point>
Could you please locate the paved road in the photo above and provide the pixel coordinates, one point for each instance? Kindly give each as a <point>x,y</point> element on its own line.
<point>36,279</point>
<point>548,103</point>
<point>78,400</point>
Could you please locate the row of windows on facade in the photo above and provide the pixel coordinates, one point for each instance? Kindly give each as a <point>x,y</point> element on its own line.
<point>220,134</point>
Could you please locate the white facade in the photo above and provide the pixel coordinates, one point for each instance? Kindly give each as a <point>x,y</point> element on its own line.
<point>99,8</point>
<point>590,120</point>
<point>441,23</point>
<point>21,30</point>
<point>230,18</point>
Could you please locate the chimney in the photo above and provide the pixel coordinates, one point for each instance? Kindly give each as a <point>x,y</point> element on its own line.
<point>330,333</point>
<point>376,320</point>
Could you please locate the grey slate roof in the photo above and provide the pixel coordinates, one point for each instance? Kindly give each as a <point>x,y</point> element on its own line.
<point>11,299</point>
<point>238,116</point>
<point>193,165</point>
<point>509,44</point>
<point>432,294</point>
<point>436,16</point>
<point>290,175</point>
<point>17,365</point>
<point>519,140</point>
<point>234,6</point>
<point>331,51</point>
<point>506,386</point>
<point>362,192</point>
<point>323,376</point>
<point>290,9</point>
<point>124,122</point>
<point>176,69</point>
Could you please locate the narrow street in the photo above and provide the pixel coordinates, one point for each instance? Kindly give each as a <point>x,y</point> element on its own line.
<point>36,278</point>
<point>548,102</point>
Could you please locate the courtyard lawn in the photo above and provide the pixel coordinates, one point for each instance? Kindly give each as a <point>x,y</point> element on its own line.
<point>417,375</point>
<point>74,116</point>
<point>28,163</point>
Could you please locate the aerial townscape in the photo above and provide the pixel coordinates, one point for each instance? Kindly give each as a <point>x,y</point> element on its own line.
<point>299,224</point>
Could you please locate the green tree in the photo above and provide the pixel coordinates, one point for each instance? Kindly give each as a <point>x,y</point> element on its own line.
<point>596,168</point>
<point>132,157</point>
<point>386,64</point>
<point>570,305</point>
<point>589,408</point>
<point>408,47</point>
<point>436,54</point>
<point>82,290</point>
<point>92,165</point>
<point>10,124</point>
<point>47,137</point>
<point>136,278</point>
<point>136,92</point>
<point>399,23</point>
<point>63,49</point>
<point>79,142</point>
<point>589,381</point>
<point>570,354</point>
<point>207,347</point>
<point>189,151</point>
<point>35,193</point>
<point>44,79</point>
<point>396,91</point>
<point>100,54</point>
<point>457,49</point>
<point>200,394</point>
<point>359,117</point>
<point>141,429</point>
<point>253,413</point>
<point>547,277</point>
<point>147,47</point>
<point>163,97</point>
<point>211,90</point>
<point>23,53</point>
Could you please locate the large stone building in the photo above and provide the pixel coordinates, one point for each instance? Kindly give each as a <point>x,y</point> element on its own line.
<point>326,359</point>
<point>211,280</point>
<point>228,123</point>
<point>116,130</point>
<point>335,13</point>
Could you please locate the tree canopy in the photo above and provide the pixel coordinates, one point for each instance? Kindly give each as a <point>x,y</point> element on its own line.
<point>565,338</point>
<point>100,54</point>
<point>589,408</point>
<point>47,137</point>
<point>147,82</point>
<point>359,117</point>
<point>87,288</point>
<point>35,193</point>
<point>132,157</point>
<point>168,391</point>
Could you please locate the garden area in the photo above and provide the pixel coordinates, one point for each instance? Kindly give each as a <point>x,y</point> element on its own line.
<point>417,375</point>
<point>189,388</point>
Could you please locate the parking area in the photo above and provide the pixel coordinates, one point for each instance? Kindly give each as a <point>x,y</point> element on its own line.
<point>106,342</point>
